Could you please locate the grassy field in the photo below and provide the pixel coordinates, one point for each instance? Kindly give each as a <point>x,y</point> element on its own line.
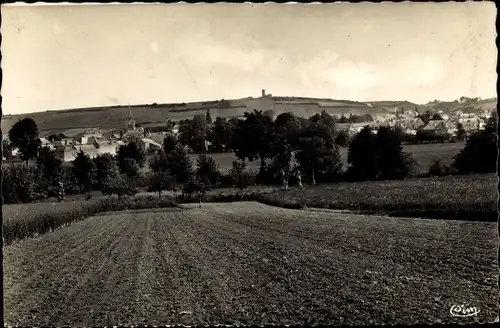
<point>248,263</point>
<point>425,155</point>
<point>469,197</point>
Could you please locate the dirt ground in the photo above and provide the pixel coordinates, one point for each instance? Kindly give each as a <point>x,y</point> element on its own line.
<point>248,263</point>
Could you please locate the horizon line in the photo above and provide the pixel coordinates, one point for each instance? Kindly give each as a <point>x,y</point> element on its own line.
<point>202,101</point>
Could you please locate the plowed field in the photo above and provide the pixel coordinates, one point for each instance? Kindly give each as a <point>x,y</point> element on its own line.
<point>248,263</point>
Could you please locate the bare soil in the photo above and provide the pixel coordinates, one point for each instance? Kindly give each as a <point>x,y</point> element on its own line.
<point>248,263</point>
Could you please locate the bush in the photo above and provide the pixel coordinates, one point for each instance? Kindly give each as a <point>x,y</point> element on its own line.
<point>438,170</point>
<point>479,154</point>
<point>22,184</point>
<point>121,185</point>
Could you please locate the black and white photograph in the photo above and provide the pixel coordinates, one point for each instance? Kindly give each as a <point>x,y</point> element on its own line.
<point>249,164</point>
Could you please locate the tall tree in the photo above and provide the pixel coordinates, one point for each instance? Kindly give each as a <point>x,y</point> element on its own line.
<point>480,152</point>
<point>205,178</point>
<point>83,169</point>
<point>161,181</point>
<point>319,155</point>
<point>208,117</point>
<point>169,143</point>
<point>461,133</point>
<point>252,136</point>
<point>105,169</point>
<point>361,156</point>
<point>129,152</point>
<point>24,136</point>
<point>391,161</point>
<point>193,132</point>
<point>51,168</point>
<point>219,135</point>
<point>241,177</point>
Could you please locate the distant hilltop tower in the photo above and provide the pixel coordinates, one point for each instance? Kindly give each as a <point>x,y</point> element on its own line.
<point>264,94</point>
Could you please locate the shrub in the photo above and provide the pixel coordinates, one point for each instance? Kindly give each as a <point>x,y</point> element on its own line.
<point>120,186</point>
<point>22,184</point>
<point>437,169</point>
<point>241,178</point>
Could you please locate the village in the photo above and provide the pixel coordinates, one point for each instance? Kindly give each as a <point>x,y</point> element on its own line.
<point>95,141</point>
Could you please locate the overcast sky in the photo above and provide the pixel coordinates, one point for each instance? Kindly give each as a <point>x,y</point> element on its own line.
<point>57,57</point>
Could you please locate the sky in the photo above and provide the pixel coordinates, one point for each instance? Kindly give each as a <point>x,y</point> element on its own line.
<point>75,56</point>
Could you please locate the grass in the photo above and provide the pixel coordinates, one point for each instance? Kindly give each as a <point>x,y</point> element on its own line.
<point>22,221</point>
<point>251,264</point>
<point>424,154</point>
<point>472,197</point>
<point>469,198</point>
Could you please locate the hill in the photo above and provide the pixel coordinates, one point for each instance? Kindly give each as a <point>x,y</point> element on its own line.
<point>390,105</point>
<point>74,121</point>
<point>477,107</point>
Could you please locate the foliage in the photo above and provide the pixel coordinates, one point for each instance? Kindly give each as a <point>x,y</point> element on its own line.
<point>83,169</point>
<point>50,167</point>
<point>436,116</point>
<point>461,133</point>
<point>241,177</point>
<point>28,220</point>
<point>437,169</point>
<point>169,143</point>
<point>219,136</point>
<point>6,149</point>
<point>24,136</point>
<point>161,181</point>
<point>319,156</point>
<point>192,133</point>
<point>205,178</point>
<point>470,198</point>
<point>105,169</point>
<point>377,157</point>
<point>426,116</point>
<point>342,138</point>
<point>21,184</point>
<point>120,185</point>
<point>124,155</point>
<point>208,117</point>
<point>49,164</point>
<point>479,154</point>
<point>252,136</point>
<point>391,162</point>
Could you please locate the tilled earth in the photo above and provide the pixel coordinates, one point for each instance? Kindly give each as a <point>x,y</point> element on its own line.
<point>248,263</point>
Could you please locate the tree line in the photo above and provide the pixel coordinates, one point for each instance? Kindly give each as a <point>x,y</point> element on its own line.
<point>289,149</point>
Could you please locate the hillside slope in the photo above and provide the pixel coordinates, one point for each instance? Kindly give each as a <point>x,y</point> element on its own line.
<point>115,117</point>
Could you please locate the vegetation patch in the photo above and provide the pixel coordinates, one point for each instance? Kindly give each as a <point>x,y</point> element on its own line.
<point>22,221</point>
<point>472,198</point>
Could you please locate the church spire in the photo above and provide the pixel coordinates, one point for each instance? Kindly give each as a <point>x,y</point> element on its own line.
<point>131,122</point>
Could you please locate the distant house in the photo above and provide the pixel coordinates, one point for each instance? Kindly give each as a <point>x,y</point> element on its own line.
<point>44,142</point>
<point>412,123</point>
<point>66,153</point>
<point>470,124</point>
<point>106,147</point>
<point>438,126</point>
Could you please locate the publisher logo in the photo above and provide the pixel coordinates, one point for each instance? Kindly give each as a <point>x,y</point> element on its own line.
<point>463,310</point>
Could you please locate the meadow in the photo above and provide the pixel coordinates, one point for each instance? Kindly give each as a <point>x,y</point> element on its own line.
<point>249,263</point>
<point>469,198</point>
<point>461,197</point>
<point>424,154</point>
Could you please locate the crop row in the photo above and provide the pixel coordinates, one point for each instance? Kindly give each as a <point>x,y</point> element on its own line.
<point>28,220</point>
